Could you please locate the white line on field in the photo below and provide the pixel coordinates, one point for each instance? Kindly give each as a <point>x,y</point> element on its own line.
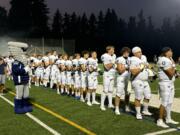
<point>54,132</point>
<point>164,131</point>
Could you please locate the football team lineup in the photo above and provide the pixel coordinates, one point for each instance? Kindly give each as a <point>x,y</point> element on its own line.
<point>129,88</point>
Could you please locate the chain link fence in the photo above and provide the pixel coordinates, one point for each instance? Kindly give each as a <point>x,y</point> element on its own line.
<point>40,45</point>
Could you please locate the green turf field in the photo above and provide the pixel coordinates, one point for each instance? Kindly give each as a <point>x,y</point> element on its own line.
<point>91,118</point>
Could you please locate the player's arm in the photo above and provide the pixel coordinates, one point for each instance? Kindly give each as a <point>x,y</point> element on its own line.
<point>6,69</point>
<point>121,68</point>
<point>170,72</point>
<point>135,70</point>
<point>63,68</point>
<point>108,66</point>
<point>91,69</point>
<point>83,67</point>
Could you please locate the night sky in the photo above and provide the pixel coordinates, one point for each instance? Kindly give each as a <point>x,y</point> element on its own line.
<point>158,9</point>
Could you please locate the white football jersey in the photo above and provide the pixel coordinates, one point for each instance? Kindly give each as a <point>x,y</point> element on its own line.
<point>32,58</point>
<point>53,58</point>
<point>92,63</point>
<point>58,62</point>
<point>126,63</point>
<point>54,69</point>
<point>68,63</point>
<point>144,59</point>
<point>47,69</point>
<point>107,59</point>
<point>37,61</point>
<point>164,63</point>
<point>75,63</point>
<point>62,62</point>
<point>135,62</point>
<point>45,59</point>
<point>82,61</point>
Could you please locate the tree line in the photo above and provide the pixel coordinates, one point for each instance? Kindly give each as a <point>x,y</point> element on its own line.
<point>31,19</point>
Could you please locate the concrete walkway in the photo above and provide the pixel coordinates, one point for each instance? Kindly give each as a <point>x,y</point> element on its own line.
<point>154,102</point>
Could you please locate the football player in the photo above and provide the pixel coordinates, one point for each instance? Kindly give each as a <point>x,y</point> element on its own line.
<point>167,69</point>
<point>140,84</point>
<point>108,60</point>
<point>123,77</point>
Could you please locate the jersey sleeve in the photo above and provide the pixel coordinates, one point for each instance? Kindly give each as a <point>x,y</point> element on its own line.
<point>106,60</point>
<point>134,63</point>
<point>120,61</point>
<point>166,64</point>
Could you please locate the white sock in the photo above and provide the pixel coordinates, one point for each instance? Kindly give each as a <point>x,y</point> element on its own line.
<point>138,110</point>
<point>51,84</point>
<point>57,90</point>
<point>62,90</point>
<point>45,84</point>
<point>145,106</point>
<point>82,97</point>
<point>93,96</point>
<point>168,111</point>
<point>160,120</point>
<point>35,83</point>
<point>110,99</point>
<point>103,97</point>
<point>117,108</point>
<point>79,94</point>
<point>88,97</point>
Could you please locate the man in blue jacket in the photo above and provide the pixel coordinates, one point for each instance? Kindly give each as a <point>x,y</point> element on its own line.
<point>20,75</point>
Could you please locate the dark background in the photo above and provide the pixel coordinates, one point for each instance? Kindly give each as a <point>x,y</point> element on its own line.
<point>148,24</point>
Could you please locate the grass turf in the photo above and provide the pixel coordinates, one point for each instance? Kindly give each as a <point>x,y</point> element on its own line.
<point>102,123</point>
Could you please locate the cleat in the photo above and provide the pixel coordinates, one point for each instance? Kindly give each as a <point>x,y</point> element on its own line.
<point>160,123</point>
<point>82,100</point>
<point>95,103</point>
<point>117,112</point>
<point>103,108</point>
<point>146,113</point>
<point>89,104</point>
<point>111,106</point>
<point>170,121</point>
<point>127,109</point>
<point>139,117</point>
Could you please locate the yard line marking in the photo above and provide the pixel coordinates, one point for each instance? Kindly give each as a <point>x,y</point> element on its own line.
<point>164,131</point>
<point>54,132</point>
<point>61,117</point>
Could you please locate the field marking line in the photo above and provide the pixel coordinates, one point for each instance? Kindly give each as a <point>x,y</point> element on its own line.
<point>39,122</point>
<point>60,117</point>
<point>164,131</point>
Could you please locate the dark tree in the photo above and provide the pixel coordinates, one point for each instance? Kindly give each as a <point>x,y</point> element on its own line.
<point>20,17</point>
<point>141,25</point>
<point>57,25</point>
<point>100,24</point>
<point>84,25</point>
<point>150,26</point>
<point>111,26</point>
<point>92,25</point>
<point>132,30</point>
<point>66,26</point>
<point>74,25</point>
<point>3,20</point>
<point>40,18</point>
